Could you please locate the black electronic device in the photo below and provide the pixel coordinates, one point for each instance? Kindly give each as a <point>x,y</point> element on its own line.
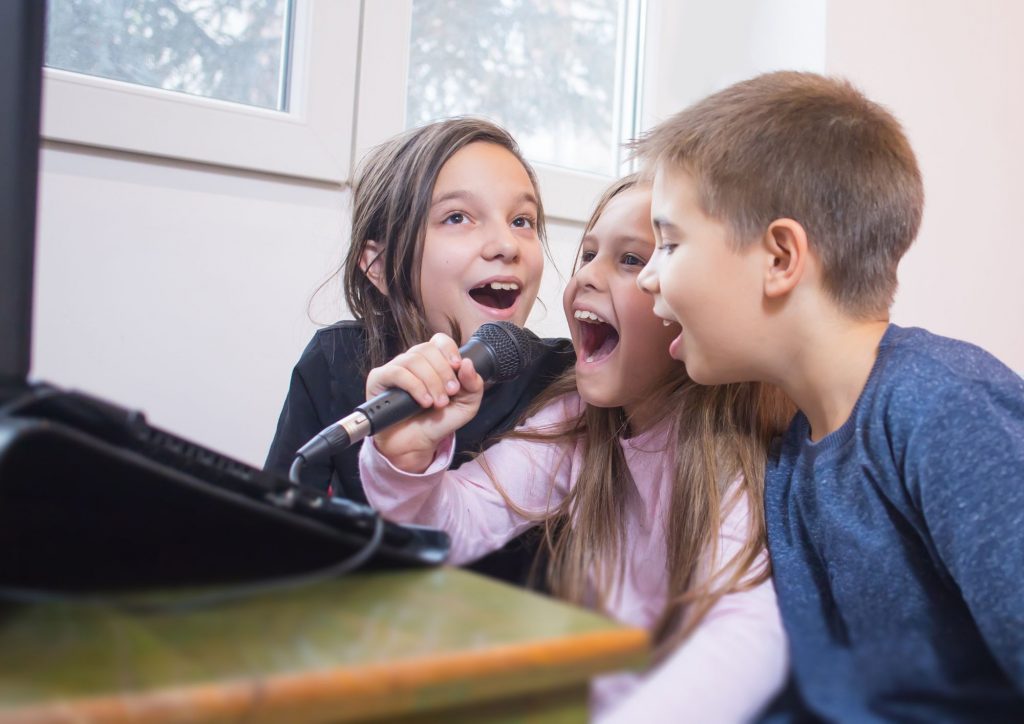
<point>94,499</point>
<point>21,58</point>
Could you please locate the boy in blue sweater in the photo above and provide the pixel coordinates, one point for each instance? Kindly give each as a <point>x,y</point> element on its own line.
<point>895,503</point>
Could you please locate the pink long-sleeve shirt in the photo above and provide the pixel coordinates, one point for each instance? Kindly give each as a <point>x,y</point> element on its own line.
<point>727,670</point>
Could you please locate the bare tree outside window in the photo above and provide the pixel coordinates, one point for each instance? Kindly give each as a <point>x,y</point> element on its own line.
<point>232,50</point>
<point>547,70</point>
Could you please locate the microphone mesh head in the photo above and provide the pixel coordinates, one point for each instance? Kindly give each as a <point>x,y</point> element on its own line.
<point>514,348</point>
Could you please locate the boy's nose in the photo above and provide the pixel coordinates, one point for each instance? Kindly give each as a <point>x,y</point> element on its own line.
<point>647,279</point>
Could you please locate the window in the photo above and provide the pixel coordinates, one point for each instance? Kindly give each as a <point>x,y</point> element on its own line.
<point>559,75</point>
<point>305,87</point>
<point>251,84</point>
<point>229,50</point>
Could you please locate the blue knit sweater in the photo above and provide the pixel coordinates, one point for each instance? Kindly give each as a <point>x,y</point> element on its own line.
<point>897,541</point>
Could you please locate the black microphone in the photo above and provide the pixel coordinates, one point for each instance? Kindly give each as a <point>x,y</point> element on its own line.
<point>500,351</point>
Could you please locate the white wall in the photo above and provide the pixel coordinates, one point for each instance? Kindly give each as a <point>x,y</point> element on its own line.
<point>178,289</point>
<point>183,289</point>
<point>704,45</point>
<point>951,71</point>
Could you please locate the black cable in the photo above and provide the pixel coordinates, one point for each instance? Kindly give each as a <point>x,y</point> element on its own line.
<point>212,598</point>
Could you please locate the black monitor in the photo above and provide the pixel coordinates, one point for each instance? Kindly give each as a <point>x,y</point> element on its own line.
<point>21,62</point>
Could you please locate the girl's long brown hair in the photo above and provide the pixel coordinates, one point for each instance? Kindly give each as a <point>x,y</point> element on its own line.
<point>718,434</point>
<point>391,195</point>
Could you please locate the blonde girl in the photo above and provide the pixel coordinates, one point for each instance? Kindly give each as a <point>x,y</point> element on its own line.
<point>648,487</point>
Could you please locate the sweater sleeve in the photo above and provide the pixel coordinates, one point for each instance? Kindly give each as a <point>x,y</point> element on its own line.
<point>965,469</point>
<point>466,502</point>
<point>731,665</point>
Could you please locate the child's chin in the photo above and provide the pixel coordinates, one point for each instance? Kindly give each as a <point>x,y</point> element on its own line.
<point>703,376</point>
<point>519,319</point>
<point>598,396</point>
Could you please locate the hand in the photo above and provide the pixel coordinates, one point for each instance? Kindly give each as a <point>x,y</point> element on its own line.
<point>439,380</point>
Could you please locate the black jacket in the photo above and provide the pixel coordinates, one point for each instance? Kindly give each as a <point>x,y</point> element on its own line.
<point>327,384</point>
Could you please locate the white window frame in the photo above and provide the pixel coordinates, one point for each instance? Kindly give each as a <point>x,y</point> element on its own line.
<point>568,195</point>
<point>312,140</point>
<point>347,93</point>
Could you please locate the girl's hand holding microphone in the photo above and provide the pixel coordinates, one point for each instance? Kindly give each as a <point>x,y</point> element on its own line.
<point>443,383</point>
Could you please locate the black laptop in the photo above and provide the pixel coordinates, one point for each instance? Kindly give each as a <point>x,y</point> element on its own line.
<point>95,500</point>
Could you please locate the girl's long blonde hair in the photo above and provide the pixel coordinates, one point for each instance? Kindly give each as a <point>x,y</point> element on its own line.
<point>718,434</point>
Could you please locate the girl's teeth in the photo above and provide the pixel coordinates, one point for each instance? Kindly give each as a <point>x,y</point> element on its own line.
<point>586,316</point>
<point>666,323</point>
<point>590,358</point>
<point>508,286</point>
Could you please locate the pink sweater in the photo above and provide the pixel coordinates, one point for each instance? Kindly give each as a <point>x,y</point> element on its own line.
<point>729,667</point>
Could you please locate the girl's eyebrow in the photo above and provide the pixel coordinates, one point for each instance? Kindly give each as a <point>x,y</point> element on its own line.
<point>619,239</point>
<point>458,195</point>
<point>462,195</point>
<point>529,198</point>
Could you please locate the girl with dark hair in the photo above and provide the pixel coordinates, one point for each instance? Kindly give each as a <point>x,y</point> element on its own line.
<point>447,233</point>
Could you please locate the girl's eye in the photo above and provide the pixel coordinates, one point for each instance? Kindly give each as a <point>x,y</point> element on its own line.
<point>523,222</point>
<point>587,256</point>
<point>456,218</point>
<point>633,260</point>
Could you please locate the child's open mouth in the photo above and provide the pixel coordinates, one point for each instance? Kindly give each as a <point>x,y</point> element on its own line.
<point>496,295</point>
<point>597,337</point>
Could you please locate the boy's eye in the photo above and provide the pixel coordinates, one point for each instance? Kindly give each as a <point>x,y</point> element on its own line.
<point>523,222</point>
<point>456,218</point>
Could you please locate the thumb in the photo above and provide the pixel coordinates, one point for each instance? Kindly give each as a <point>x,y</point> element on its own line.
<point>470,381</point>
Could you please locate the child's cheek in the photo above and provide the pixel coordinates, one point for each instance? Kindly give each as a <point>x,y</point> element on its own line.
<point>567,298</point>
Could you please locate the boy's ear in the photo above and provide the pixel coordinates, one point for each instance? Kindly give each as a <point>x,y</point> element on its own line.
<point>785,242</point>
<point>371,261</point>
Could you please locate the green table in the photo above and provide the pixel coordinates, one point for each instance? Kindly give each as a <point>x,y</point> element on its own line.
<point>427,645</point>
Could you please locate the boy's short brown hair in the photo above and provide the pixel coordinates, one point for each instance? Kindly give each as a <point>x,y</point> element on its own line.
<point>812,149</point>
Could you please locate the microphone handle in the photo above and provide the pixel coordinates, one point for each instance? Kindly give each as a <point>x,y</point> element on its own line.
<point>389,407</point>
<point>395,405</point>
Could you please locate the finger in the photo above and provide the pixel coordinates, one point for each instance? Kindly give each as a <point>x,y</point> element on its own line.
<point>414,373</point>
<point>437,353</point>
<point>469,379</point>
<point>393,376</point>
<point>448,348</point>
<point>430,366</point>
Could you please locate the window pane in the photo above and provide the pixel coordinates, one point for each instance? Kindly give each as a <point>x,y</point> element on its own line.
<point>548,70</point>
<point>232,50</point>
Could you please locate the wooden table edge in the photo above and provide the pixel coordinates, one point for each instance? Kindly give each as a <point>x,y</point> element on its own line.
<point>415,684</point>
